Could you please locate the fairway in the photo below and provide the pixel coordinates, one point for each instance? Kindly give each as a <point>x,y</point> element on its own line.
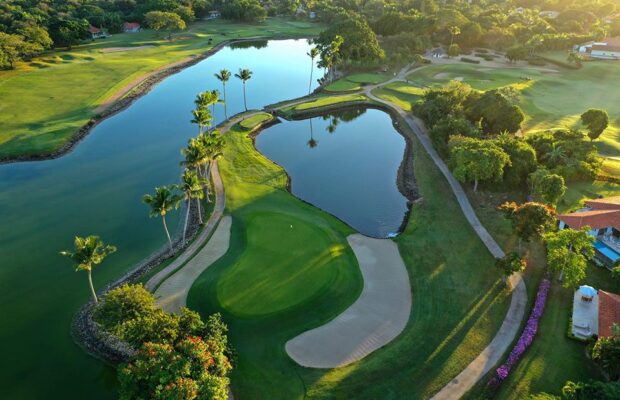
<point>44,102</point>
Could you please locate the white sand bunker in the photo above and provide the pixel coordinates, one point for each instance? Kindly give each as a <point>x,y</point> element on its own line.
<point>172,294</point>
<point>377,317</point>
<point>442,75</point>
<point>117,49</point>
<point>459,78</point>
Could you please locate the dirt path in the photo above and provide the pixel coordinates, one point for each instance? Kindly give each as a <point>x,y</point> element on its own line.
<point>172,294</point>
<point>510,327</point>
<point>377,317</point>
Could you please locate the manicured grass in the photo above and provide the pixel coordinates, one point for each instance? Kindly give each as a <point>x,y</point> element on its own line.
<point>400,93</point>
<point>324,101</point>
<point>343,85</point>
<point>272,285</point>
<point>45,101</point>
<point>254,120</point>
<point>356,81</point>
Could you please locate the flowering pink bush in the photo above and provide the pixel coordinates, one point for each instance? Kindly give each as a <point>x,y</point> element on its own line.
<point>527,336</point>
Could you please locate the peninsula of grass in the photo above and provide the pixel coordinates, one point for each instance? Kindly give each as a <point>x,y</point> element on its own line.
<point>255,120</point>
<point>322,103</point>
<point>355,82</point>
<point>289,269</point>
<point>400,93</point>
<point>76,82</point>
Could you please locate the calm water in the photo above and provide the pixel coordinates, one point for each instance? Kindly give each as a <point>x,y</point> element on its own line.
<point>345,164</point>
<point>97,190</point>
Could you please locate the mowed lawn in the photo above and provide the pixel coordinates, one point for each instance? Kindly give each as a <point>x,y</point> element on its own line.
<point>289,269</point>
<point>549,99</point>
<point>44,102</point>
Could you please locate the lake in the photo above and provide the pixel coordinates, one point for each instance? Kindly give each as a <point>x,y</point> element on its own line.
<point>97,189</point>
<point>345,163</point>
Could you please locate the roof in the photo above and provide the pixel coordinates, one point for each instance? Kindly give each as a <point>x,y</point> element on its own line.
<point>615,42</point>
<point>94,29</point>
<point>606,48</point>
<point>595,219</point>
<point>131,25</point>
<point>607,203</point>
<point>608,312</point>
<point>586,290</point>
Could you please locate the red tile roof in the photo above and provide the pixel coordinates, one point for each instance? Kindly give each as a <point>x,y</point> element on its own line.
<point>611,41</point>
<point>596,219</point>
<point>131,25</point>
<point>607,203</point>
<point>93,29</point>
<point>608,312</point>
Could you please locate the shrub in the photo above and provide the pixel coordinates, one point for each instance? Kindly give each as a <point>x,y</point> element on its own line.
<point>536,62</point>
<point>470,60</point>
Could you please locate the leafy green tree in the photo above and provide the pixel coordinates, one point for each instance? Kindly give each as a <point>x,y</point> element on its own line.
<point>88,252</point>
<point>510,263</point>
<point>37,35</point>
<point>454,50</point>
<point>449,126</point>
<point>164,201</point>
<point>186,13</point>
<point>522,159</point>
<point>606,352</point>
<point>191,187</point>
<point>164,21</point>
<point>201,117</point>
<point>476,160</point>
<point>596,121</point>
<point>330,54</point>
<point>359,41</point>
<point>516,53</point>
<point>591,390</point>
<point>244,10</point>
<point>244,75</point>
<point>568,252</point>
<point>495,110</point>
<point>550,187</point>
<point>439,103</point>
<point>575,58</point>
<point>454,32</point>
<point>124,303</point>
<point>67,32</point>
<point>224,76</point>
<point>529,220</point>
<point>12,49</point>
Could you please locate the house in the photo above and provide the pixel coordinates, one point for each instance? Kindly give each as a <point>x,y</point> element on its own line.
<point>97,33</point>
<point>606,49</point>
<point>549,14</point>
<point>131,27</point>
<point>594,312</point>
<point>603,218</point>
<point>312,15</point>
<point>213,14</point>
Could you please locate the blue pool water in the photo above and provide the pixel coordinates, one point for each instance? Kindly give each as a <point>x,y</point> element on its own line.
<point>607,251</point>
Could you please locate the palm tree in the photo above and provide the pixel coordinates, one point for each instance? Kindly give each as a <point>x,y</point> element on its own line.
<point>89,251</point>
<point>556,156</point>
<point>312,143</point>
<point>223,76</point>
<point>212,145</point>
<point>191,186</point>
<point>454,31</point>
<point>314,52</point>
<point>245,75</point>
<point>161,203</point>
<point>215,99</point>
<point>201,117</point>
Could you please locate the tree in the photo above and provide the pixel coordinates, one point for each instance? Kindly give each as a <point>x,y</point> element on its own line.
<point>529,219</point>
<point>164,21</point>
<point>244,10</point>
<point>191,187</point>
<point>68,31</point>
<point>522,159</point>
<point>606,352</point>
<point>476,160</point>
<point>440,103</point>
<point>510,263</point>
<point>591,390</point>
<point>313,53</point>
<point>454,31</point>
<point>201,117</point>
<point>550,187</point>
<point>516,53</point>
<point>496,111</point>
<point>454,50</point>
<point>568,252</point>
<point>596,121</point>
<point>330,53</point>
<point>449,126</point>
<point>88,252</point>
<point>244,75</point>
<point>164,201</point>
<point>223,76</point>
<point>12,49</point>
<point>359,42</point>
<point>575,57</point>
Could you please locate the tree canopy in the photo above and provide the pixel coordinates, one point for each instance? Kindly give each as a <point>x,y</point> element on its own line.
<point>596,121</point>
<point>476,160</point>
<point>568,252</point>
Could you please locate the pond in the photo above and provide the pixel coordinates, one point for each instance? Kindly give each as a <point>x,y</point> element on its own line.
<point>96,189</point>
<point>346,163</point>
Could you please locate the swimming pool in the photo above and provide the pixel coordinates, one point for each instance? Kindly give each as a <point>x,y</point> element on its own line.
<point>607,251</point>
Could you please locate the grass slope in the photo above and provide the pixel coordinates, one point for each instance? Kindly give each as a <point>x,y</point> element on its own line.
<point>273,285</point>
<point>44,102</point>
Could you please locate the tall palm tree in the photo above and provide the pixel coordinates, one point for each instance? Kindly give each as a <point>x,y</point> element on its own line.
<point>201,117</point>
<point>89,251</point>
<point>244,75</point>
<point>314,52</point>
<point>191,187</point>
<point>215,99</point>
<point>212,145</point>
<point>312,143</point>
<point>223,76</point>
<point>164,201</point>
<point>556,156</point>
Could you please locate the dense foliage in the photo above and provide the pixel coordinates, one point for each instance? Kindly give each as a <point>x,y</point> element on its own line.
<point>529,220</point>
<point>606,352</point>
<point>568,252</point>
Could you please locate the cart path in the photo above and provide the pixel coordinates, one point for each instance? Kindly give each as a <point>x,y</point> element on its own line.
<point>511,325</point>
<point>377,317</point>
<point>172,294</point>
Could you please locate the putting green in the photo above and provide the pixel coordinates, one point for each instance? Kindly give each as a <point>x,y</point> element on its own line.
<point>287,261</point>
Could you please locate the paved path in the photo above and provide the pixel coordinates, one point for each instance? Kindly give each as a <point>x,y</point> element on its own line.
<point>377,317</point>
<point>509,329</point>
<point>202,236</point>
<point>171,295</point>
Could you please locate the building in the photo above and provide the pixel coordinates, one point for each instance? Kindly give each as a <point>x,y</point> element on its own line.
<point>97,33</point>
<point>603,218</point>
<point>594,312</point>
<point>214,14</point>
<point>606,49</point>
<point>131,27</point>
<point>549,14</point>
